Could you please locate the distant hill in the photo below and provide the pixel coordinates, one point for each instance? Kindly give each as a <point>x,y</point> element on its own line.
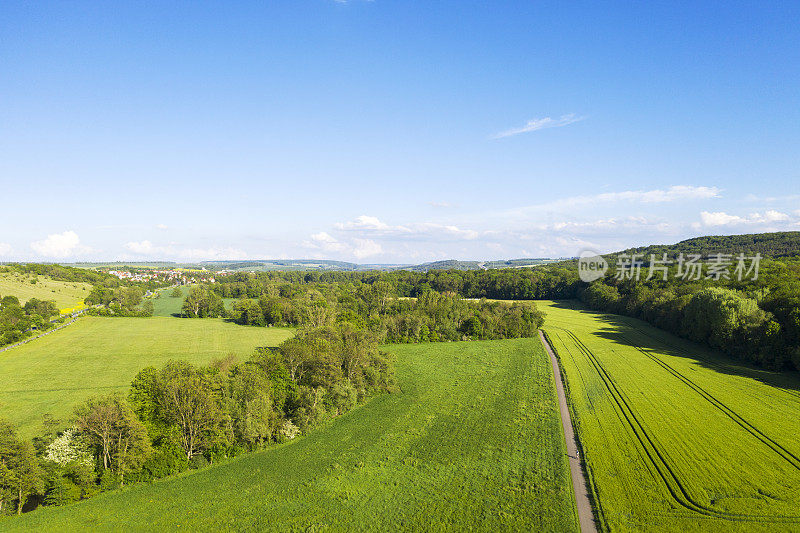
<point>519,263</point>
<point>120,264</point>
<point>291,264</point>
<point>262,265</point>
<point>453,264</point>
<point>781,244</point>
<point>449,264</point>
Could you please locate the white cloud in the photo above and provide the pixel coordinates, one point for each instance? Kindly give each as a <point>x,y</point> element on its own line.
<point>144,247</point>
<point>5,249</point>
<point>367,236</point>
<point>366,248</point>
<point>209,254</point>
<point>369,226</point>
<point>364,222</point>
<point>326,242</point>
<point>60,245</point>
<point>161,226</point>
<point>720,218</point>
<point>441,205</point>
<point>540,124</point>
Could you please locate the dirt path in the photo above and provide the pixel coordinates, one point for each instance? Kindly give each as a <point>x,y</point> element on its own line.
<point>579,485</point>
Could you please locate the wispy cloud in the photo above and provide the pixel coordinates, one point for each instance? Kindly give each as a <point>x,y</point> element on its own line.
<point>171,251</point>
<point>368,236</point>
<point>653,196</point>
<point>365,225</point>
<point>537,124</point>
<point>772,199</point>
<point>720,218</point>
<point>442,205</point>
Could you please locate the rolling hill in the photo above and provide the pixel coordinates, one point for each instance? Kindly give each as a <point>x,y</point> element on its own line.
<point>66,294</point>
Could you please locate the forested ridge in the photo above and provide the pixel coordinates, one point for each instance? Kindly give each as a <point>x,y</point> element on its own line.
<point>779,244</point>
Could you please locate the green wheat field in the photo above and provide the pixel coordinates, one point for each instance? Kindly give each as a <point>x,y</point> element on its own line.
<point>475,423</point>
<point>676,439</point>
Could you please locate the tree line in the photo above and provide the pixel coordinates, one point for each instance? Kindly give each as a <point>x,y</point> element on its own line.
<point>18,322</point>
<point>119,301</point>
<point>430,317</point>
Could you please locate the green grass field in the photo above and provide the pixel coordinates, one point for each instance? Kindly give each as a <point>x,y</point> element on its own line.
<point>676,438</point>
<point>167,305</point>
<point>471,442</point>
<point>67,294</point>
<point>99,355</point>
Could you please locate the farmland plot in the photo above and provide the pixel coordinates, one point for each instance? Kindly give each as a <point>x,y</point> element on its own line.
<point>674,437</point>
<point>471,441</point>
<point>98,355</point>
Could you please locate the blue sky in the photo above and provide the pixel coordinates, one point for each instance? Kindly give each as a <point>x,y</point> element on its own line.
<point>390,131</point>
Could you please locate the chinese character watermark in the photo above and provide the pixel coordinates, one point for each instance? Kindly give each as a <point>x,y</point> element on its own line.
<point>689,267</point>
<point>629,266</point>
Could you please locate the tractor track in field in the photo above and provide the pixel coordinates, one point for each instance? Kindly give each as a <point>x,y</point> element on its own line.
<point>571,356</point>
<point>693,355</point>
<point>785,454</point>
<point>657,457</point>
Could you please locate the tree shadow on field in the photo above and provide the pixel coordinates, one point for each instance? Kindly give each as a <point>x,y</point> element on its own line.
<point>636,333</point>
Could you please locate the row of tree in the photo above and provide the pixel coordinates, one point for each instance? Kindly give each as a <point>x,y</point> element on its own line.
<point>20,321</point>
<point>119,301</point>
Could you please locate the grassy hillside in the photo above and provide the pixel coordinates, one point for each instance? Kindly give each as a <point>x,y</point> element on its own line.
<point>98,355</point>
<point>677,439</point>
<point>472,442</point>
<point>67,294</point>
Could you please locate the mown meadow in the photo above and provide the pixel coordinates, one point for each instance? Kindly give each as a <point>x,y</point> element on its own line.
<point>675,437</point>
<point>98,355</point>
<point>474,423</point>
